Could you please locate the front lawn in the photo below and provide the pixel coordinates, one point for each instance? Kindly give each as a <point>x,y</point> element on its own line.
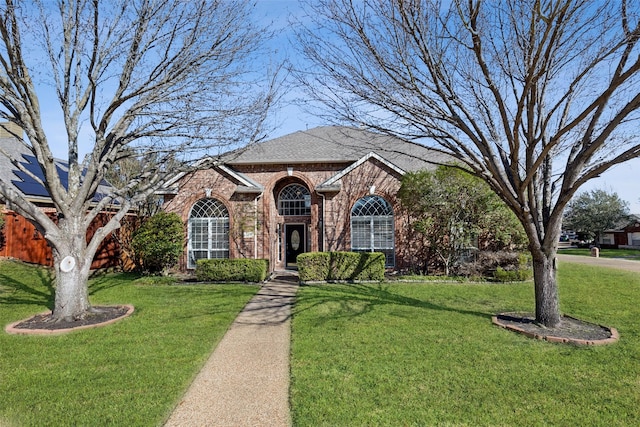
<point>131,373</point>
<point>389,354</point>
<point>427,354</point>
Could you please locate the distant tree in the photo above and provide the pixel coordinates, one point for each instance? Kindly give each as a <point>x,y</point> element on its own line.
<point>593,212</point>
<point>159,242</point>
<point>173,79</point>
<point>451,209</point>
<point>536,97</point>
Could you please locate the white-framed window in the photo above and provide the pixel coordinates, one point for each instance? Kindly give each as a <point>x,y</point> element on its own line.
<point>372,227</point>
<point>294,200</point>
<point>208,231</point>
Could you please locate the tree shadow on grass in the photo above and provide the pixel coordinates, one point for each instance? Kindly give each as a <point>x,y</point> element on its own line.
<point>101,282</point>
<point>37,289</point>
<point>359,299</point>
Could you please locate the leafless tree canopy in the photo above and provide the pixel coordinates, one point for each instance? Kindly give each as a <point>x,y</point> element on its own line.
<point>535,96</point>
<point>505,86</point>
<point>164,79</point>
<point>131,77</point>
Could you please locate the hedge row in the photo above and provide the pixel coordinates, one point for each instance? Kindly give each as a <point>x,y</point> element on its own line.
<point>232,270</point>
<point>330,266</point>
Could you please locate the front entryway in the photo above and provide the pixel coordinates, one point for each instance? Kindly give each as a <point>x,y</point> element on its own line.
<point>295,243</point>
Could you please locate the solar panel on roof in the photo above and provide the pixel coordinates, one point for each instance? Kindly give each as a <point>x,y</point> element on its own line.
<point>26,183</point>
<point>31,187</point>
<point>32,165</point>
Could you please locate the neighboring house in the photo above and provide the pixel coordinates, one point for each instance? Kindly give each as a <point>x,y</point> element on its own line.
<point>19,238</point>
<point>325,189</point>
<point>626,236</point>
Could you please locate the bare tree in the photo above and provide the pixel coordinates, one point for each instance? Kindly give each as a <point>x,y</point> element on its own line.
<point>535,96</point>
<point>164,78</point>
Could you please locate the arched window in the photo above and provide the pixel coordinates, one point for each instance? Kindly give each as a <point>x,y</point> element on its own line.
<point>372,227</point>
<point>208,231</point>
<point>294,200</point>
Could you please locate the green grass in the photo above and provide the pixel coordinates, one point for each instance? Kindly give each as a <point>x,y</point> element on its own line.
<point>427,354</point>
<point>632,254</point>
<point>379,354</point>
<point>130,373</point>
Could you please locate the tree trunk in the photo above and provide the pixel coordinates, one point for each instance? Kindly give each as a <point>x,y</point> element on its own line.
<point>72,296</point>
<point>546,289</point>
<point>72,265</point>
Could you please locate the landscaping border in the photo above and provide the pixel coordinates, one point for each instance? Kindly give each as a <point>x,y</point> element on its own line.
<point>614,335</point>
<point>11,328</point>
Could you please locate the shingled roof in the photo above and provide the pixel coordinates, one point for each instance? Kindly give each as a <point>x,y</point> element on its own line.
<point>336,144</point>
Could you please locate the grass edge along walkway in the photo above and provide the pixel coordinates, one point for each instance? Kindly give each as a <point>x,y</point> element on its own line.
<point>246,380</point>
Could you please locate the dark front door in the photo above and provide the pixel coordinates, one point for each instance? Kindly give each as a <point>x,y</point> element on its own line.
<point>295,243</point>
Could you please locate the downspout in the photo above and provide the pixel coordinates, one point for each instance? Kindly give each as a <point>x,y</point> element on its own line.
<point>322,237</point>
<point>255,226</point>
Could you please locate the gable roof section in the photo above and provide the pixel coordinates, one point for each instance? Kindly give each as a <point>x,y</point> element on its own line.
<point>245,184</point>
<point>336,144</point>
<point>333,183</point>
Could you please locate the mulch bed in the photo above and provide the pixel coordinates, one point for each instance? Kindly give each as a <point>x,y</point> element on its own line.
<point>570,330</point>
<point>43,323</point>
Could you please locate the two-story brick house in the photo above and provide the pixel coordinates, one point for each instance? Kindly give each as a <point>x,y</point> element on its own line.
<point>325,189</point>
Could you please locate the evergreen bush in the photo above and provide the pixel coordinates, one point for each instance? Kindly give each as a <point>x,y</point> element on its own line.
<point>158,243</point>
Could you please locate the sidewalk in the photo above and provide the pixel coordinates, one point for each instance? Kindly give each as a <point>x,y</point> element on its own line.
<point>245,382</point>
<point>620,264</point>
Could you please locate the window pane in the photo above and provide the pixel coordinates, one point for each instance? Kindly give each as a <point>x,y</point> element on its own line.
<point>360,234</point>
<point>372,206</point>
<point>199,233</point>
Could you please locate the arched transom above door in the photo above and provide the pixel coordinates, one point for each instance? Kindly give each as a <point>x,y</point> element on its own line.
<point>294,200</point>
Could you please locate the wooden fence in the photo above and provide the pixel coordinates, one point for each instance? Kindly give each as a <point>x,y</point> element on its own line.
<point>19,239</point>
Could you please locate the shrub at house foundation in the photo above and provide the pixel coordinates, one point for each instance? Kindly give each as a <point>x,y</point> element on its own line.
<point>232,270</point>
<point>330,266</point>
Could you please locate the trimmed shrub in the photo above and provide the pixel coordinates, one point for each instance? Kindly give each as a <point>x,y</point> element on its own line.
<point>520,275</point>
<point>158,242</point>
<point>329,266</point>
<point>313,266</point>
<point>232,270</point>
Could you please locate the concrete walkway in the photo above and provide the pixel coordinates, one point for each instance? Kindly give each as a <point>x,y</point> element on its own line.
<point>245,382</point>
